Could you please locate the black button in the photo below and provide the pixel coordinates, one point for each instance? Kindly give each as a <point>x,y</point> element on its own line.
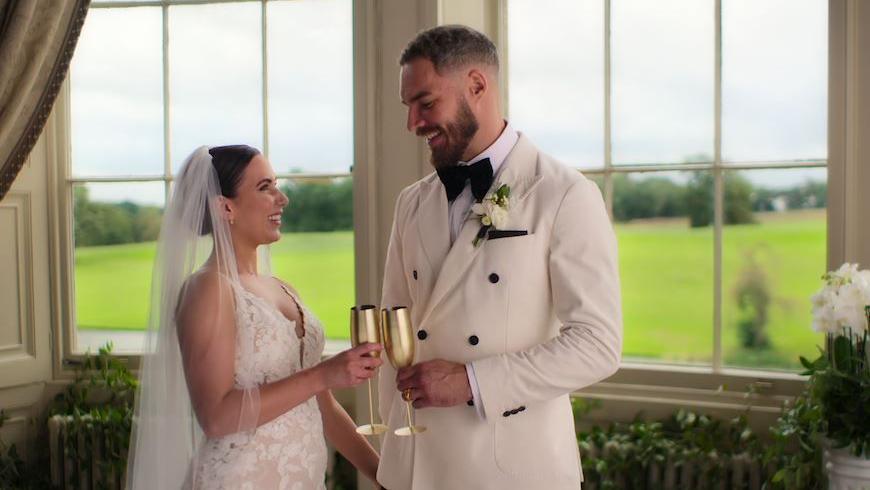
<point>515,411</point>
<point>415,275</point>
<point>422,334</point>
<point>493,278</point>
<point>473,340</point>
<point>521,409</point>
<point>506,414</point>
<point>470,403</point>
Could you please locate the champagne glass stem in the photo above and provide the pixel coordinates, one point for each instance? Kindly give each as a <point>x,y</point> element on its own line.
<point>408,407</point>
<point>371,405</point>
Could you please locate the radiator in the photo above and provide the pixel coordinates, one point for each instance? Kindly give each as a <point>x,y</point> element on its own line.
<point>68,472</point>
<point>738,472</point>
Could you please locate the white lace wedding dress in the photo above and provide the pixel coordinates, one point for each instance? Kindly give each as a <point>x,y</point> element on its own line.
<point>289,452</point>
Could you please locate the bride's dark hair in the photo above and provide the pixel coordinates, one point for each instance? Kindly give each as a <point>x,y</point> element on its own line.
<point>229,162</point>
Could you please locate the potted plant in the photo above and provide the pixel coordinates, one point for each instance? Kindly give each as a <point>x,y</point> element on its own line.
<point>840,377</point>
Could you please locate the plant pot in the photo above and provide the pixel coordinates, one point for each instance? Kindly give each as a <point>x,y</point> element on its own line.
<point>845,471</point>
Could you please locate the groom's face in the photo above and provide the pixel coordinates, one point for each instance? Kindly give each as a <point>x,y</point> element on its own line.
<point>438,111</point>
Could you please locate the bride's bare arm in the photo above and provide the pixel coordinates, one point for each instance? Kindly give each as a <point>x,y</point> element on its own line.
<point>207,338</point>
<point>341,432</point>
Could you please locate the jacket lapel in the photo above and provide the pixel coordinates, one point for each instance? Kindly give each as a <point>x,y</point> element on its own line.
<point>520,173</point>
<point>433,225</point>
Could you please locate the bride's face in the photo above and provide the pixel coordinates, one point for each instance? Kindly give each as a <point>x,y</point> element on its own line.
<point>256,209</point>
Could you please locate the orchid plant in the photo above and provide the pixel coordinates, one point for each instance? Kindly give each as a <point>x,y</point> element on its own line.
<point>840,376</point>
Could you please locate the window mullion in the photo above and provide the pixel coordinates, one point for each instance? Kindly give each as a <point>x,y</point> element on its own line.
<point>608,157</point>
<point>265,76</point>
<point>167,155</point>
<point>717,193</point>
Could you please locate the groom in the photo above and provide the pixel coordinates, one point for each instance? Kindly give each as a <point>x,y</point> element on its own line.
<point>515,301</point>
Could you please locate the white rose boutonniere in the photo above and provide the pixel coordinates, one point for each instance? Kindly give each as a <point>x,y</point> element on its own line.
<point>492,212</point>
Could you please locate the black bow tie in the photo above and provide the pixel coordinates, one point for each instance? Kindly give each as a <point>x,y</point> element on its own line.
<point>454,178</point>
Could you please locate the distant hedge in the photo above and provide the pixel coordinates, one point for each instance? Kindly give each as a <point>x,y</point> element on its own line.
<point>314,206</point>
<point>328,206</point>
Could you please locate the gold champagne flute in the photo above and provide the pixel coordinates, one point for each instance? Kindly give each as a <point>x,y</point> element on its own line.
<point>398,337</point>
<point>364,328</point>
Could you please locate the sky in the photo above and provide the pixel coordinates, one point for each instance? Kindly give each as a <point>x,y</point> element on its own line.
<point>774,84</point>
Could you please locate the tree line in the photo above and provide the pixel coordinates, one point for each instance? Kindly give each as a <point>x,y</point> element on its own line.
<point>314,206</point>
<point>328,206</point>
<point>660,197</point>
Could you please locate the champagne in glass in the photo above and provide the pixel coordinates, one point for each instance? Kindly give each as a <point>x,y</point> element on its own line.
<point>364,328</point>
<point>398,337</point>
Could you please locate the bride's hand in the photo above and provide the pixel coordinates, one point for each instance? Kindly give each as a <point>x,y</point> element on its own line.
<point>350,367</point>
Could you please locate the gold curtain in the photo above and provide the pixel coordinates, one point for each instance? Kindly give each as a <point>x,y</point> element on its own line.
<point>37,39</point>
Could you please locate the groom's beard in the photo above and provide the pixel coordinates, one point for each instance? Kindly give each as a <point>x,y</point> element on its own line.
<point>458,135</point>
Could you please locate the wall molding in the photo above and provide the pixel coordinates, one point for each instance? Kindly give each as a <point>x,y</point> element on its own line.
<point>18,203</point>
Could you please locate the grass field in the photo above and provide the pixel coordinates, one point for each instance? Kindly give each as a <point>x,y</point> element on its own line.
<point>666,270</point>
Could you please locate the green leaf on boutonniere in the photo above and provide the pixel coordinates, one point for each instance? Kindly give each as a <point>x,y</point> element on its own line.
<point>481,233</point>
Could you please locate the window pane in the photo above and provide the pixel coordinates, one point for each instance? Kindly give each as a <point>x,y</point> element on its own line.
<point>774,79</point>
<point>315,253</point>
<point>116,227</point>
<point>666,265</point>
<point>663,80</point>
<point>311,85</point>
<point>556,77</point>
<point>774,253</point>
<point>215,75</point>
<point>117,94</point>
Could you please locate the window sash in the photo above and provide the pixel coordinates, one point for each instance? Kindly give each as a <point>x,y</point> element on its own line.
<point>717,167</point>
<point>67,181</point>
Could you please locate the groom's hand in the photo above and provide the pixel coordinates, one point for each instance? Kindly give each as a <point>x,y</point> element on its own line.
<point>436,383</point>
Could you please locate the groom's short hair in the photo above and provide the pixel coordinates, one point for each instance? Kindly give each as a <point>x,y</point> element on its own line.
<point>451,46</point>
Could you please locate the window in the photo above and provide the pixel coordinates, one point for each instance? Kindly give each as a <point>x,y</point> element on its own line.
<point>152,80</point>
<point>704,124</point>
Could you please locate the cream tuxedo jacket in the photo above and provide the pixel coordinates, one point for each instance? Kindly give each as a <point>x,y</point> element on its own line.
<point>537,315</point>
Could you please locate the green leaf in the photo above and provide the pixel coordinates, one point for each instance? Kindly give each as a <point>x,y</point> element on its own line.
<point>843,354</point>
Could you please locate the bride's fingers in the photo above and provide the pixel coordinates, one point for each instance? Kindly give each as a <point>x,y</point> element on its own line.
<point>371,362</point>
<point>366,348</point>
<point>364,373</point>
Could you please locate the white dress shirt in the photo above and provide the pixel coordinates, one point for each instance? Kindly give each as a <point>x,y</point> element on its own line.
<point>458,212</point>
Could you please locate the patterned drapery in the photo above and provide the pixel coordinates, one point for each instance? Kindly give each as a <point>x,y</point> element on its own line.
<point>37,39</point>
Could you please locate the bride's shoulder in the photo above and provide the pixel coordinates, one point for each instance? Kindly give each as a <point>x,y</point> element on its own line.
<point>204,288</point>
<point>206,306</point>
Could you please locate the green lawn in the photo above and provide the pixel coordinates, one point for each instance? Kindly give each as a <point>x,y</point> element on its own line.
<point>113,282</point>
<point>667,287</point>
<point>666,270</point>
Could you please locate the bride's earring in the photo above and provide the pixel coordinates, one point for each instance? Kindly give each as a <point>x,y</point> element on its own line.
<point>232,221</point>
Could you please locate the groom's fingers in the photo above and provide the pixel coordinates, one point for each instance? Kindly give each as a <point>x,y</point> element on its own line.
<point>413,395</point>
<point>407,373</point>
<point>406,382</point>
<point>422,402</point>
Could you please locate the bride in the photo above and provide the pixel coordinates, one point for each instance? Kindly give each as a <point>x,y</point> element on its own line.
<point>233,393</point>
